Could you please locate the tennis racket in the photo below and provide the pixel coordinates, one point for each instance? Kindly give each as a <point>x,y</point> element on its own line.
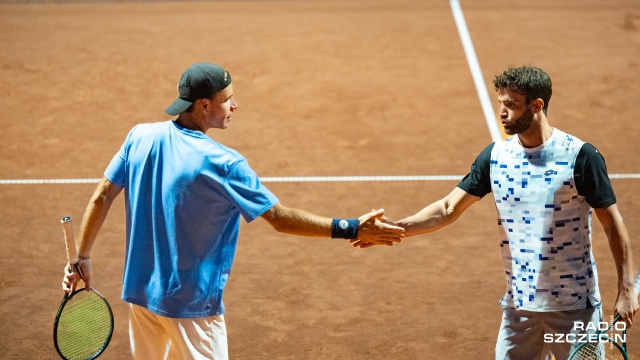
<point>605,348</point>
<point>84,323</point>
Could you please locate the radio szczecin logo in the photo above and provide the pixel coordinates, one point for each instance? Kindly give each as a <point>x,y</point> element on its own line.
<point>590,332</point>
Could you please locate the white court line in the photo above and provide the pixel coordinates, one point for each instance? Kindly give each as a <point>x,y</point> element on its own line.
<point>362,178</point>
<point>265,179</point>
<point>485,102</point>
<point>294,179</point>
<point>474,66</point>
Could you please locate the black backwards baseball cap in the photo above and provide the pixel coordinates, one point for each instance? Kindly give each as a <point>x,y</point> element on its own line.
<point>200,80</point>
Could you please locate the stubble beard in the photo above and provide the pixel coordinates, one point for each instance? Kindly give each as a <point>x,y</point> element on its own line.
<point>521,124</point>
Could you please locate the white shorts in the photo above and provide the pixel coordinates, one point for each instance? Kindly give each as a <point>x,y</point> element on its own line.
<point>522,333</point>
<point>152,335</point>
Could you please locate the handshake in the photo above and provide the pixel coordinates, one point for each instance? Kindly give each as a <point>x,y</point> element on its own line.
<point>376,229</point>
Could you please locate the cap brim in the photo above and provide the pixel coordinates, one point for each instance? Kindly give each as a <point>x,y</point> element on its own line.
<point>178,106</point>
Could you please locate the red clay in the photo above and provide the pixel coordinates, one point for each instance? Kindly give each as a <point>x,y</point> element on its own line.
<point>325,89</point>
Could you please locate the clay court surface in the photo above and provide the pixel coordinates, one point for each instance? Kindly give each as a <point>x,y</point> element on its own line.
<point>325,88</point>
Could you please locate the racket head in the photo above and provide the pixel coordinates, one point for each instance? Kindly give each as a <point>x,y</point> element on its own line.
<point>83,326</point>
<point>601,350</point>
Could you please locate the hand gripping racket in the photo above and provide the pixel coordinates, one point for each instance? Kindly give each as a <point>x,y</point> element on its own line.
<point>84,323</point>
<point>605,348</point>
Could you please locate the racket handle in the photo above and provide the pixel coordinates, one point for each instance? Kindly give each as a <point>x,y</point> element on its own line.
<point>636,285</point>
<point>67,228</point>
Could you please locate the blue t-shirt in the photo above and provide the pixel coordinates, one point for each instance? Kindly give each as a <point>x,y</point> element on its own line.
<point>184,195</point>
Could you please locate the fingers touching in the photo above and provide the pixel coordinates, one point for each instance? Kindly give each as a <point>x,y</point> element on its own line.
<point>375,229</point>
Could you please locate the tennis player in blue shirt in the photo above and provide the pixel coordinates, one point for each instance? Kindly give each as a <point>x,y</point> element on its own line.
<point>184,196</point>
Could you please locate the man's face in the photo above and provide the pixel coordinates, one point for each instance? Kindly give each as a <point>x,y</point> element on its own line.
<point>515,112</point>
<point>220,108</point>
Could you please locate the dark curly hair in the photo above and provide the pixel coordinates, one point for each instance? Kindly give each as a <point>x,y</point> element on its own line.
<point>532,82</point>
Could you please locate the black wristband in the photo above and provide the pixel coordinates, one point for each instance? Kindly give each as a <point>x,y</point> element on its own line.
<point>345,228</point>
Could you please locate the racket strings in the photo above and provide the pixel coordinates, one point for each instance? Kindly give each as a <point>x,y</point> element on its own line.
<point>84,326</point>
<point>598,351</point>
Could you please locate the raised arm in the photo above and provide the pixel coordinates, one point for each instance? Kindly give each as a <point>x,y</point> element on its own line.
<point>301,222</point>
<point>627,302</point>
<point>92,221</point>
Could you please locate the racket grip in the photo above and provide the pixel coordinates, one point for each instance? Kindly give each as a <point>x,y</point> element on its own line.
<point>636,285</point>
<point>70,242</point>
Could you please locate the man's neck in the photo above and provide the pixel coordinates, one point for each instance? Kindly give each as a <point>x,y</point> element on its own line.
<point>536,135</point>
<point>187,121</point>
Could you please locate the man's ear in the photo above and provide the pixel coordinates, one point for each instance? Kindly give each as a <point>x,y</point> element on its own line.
<point>202,105</point>
<point>537,105</point>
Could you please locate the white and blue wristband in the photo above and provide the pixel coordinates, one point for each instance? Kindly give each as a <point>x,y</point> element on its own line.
<point>344,228</point>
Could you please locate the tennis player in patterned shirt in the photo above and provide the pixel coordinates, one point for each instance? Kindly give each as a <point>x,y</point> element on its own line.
<point>544,183</point>
<point>184,196</point>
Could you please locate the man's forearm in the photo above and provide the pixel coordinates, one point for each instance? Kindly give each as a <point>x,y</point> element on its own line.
<point>298,222</point>
<point>431,218</point>
<point>613,226</point>
<point>621,250</point>
<point>619,244</point>
<point>439,214</point>
<point>367,228</point>
<point>95,214</point>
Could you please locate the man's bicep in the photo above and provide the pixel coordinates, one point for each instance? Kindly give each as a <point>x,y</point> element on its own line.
<point>108,190</point>
<point>244,189</point>
<point>272,215</point>
<point>478,181</point>
<point>459,200</point>
<point>592,179</point>
<point>608,216</point>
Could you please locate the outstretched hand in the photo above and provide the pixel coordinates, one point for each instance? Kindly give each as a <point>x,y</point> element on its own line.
<point>375,229</point>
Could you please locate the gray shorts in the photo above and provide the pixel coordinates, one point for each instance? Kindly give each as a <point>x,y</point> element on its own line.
<point>522,333</point>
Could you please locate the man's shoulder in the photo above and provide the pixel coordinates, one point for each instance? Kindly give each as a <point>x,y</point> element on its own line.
<point>588,150</point>
<point>568,141</point>
<point>225,149</point>
<point>218,153</point>
<point>509,141</point>
<point>146,129</point>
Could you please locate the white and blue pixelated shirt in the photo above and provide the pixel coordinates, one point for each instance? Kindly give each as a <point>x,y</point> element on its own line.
<point>544,218</point>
